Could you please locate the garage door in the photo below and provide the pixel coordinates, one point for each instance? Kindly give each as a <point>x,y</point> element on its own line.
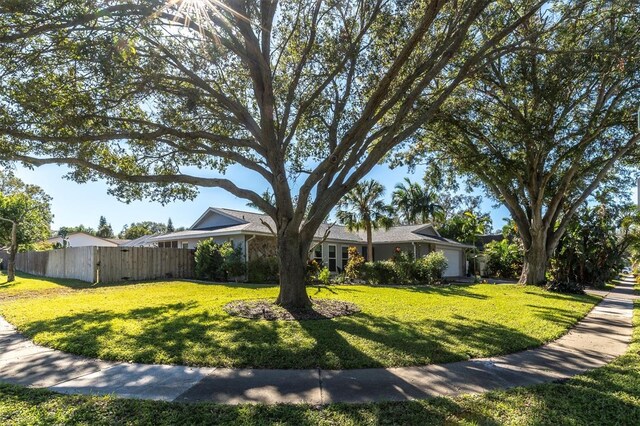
<point>454,259</point>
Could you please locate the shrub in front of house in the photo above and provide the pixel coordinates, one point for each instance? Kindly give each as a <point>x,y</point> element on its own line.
<point>313,269</point>
<point>430,268</point>
<point>263,270</point>
<point>355,263</point>
<point>404,267</point>
<point>234,264</point>
<point>405,271</point>
<point>324,276</point>
<point>379,272</point>
<point>218,262</point>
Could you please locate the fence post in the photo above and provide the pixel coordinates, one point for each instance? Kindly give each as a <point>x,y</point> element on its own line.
<point>96,265</point>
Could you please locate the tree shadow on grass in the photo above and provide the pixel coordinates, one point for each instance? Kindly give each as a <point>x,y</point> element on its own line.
<point>566,317</point>
<point>459,290</point>
<point>564,296</point>
<point>181,333</point>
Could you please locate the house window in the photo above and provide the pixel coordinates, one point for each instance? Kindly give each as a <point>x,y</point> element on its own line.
<point>345,256</point>
<point>317,254</point>
<point>332,257</point>
<point>168,244</point>
<point>185,245</point>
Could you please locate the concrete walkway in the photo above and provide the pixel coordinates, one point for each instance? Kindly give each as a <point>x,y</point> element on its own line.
<point>600,337</point>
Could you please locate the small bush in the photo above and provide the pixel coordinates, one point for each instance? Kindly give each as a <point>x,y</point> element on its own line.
<point>403,270</point>
<point>400,256</point>
<point>218,262</point>
<point>355,263</point>
<point>429,269</point>
<point>324,276</point>
<point>313,268</point>
<point>380,272</point>
<point>234,264</point>
<point>263,270</point>
<point>209,261</point>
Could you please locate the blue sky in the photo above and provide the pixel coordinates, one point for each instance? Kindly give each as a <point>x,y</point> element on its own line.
<point>74,204</point>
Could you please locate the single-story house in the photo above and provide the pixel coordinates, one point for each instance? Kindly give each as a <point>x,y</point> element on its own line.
<point>81,239</point>
<point>252,232</point>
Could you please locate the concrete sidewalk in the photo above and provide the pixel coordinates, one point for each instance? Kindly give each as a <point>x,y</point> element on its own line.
<point>596,340</point>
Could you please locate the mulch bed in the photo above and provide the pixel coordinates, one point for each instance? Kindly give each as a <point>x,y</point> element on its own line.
<point>267,310</point>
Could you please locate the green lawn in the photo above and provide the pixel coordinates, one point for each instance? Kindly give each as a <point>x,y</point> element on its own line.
<point>184,323</point>
<point>606,396</point>
<point>26,286</point>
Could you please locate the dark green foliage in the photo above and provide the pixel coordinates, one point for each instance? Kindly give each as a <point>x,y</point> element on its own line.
<point>416,203</point>
<point>591,252</point>
<point>27,205</point>
<point>234,263</point>
<point>263,270</point>
<point>429,269</point>
<point>380,272</point>
<point>68,230</point>
<point>504,258</point>
<point>140,229</point>
<point>466,226</point>
<point>104,229</point>
<point>218,262</point>
<point>404,270</point>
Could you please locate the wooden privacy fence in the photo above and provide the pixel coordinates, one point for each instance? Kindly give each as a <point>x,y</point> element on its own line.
<point>109,264</point>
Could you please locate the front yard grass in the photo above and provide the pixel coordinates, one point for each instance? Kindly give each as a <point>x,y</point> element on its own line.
<point>28,285</point>
<point>607,396</point>
<point>183,322</point>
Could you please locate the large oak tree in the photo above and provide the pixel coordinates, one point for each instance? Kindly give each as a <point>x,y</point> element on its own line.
<point>160,97</point>
<point>544,126</point>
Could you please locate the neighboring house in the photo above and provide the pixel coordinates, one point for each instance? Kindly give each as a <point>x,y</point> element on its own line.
<point>80,239</point>
<point>253,232</point>
<point>144,241</point>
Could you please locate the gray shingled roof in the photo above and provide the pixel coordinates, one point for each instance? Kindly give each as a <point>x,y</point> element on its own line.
<point>255,224</point>
<point>407,234</point>
<point>337,232</point>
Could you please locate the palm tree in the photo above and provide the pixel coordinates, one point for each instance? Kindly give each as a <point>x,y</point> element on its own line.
<point>364,208</point>
<point>416,203</point>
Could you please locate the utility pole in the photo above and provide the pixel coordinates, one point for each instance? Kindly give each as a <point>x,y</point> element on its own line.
<point>11,268</point>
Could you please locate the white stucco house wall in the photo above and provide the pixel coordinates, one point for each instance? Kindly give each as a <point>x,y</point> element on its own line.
<point>251,231</point>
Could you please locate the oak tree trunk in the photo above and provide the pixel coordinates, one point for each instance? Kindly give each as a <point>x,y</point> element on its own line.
<point>536,260</point>
<point>293,253</point>
<point>11,267</point>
